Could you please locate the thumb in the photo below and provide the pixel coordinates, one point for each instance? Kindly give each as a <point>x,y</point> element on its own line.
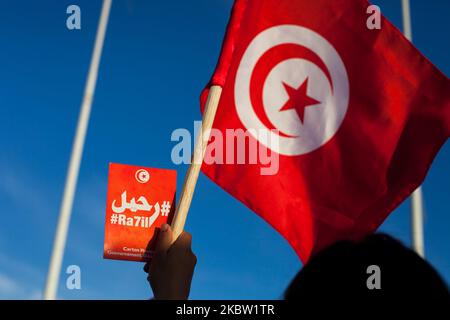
<point>164,239</point>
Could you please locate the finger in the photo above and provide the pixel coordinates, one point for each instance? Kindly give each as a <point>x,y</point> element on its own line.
<point>183,242</point>
<point>164,239</point>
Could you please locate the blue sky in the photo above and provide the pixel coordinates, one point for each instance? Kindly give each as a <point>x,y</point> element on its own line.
<point>158,55</point>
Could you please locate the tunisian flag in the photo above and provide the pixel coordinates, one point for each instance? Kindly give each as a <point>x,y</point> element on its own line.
<point>358,114</point>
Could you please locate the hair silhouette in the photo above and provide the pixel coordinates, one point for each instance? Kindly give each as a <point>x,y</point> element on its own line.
<point>340,273</point>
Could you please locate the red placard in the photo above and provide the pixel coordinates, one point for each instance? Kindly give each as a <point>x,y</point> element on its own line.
<point>139,201</point>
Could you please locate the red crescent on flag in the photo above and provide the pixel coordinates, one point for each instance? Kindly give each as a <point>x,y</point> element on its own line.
<point>266,63</point>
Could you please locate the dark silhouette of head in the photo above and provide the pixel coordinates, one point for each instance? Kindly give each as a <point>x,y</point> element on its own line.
<point>343,272</point>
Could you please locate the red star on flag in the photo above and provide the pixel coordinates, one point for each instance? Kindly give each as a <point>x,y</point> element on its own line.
<point>298,99</point>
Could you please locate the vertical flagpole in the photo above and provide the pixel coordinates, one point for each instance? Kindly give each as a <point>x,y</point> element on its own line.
<point>59,243</point>
<point>417,222</point>
<point>416,200</point>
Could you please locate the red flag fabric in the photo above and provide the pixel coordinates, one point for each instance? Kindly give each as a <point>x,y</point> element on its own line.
<point>358,116</point>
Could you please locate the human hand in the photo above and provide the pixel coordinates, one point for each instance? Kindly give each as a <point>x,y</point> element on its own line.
<point>172,267</point>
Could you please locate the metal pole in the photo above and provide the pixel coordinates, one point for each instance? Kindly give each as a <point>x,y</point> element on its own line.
<point>416,198</point>
<point>59,243</point>
<point>417,222</point>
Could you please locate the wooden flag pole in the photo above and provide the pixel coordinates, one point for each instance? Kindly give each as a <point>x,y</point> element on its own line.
<point>190,181</point>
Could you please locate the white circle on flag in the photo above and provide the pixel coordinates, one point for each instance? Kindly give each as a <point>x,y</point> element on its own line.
<point>303,131</point>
